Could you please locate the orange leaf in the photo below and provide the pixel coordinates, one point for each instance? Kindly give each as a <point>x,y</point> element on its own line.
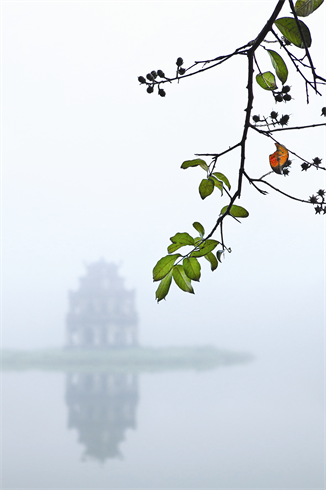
<point>279,158</point>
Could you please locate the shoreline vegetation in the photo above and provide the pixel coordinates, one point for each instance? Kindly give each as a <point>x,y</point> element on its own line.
<point>135,359</point>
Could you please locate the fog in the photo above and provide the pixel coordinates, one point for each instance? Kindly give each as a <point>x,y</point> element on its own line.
<point>91,170</point>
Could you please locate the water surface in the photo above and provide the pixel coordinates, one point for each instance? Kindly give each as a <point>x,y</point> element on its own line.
<point>256,425</point>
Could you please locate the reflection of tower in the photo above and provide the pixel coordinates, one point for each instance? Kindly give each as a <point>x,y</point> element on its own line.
<point>102,312</point>
<point>101,406</point>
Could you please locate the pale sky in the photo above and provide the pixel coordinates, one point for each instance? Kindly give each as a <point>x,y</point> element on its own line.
<point>91,169</point>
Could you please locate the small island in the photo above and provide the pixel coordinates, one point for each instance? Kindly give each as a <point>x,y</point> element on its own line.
<point>140,359</point>
<point>102,334</point>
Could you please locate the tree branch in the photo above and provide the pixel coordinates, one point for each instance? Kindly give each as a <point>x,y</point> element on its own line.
<point>291,128</point>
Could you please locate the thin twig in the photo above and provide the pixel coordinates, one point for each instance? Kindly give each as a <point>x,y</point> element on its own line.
<point>304,43</point>
<point>291,128</point>
<point>279,190</point>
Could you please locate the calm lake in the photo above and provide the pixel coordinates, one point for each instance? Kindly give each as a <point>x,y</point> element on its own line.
<point>253,425</point>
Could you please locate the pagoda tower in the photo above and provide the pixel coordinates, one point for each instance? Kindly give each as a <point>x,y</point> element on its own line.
<point>102,311</point>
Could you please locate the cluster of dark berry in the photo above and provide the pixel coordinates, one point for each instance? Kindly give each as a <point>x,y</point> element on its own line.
<point>153,75</point>
<point>180,70</point>
<point>315,163</point>
<point>319,201</point>
<point>283,95</point>
<point>286,169</point>
<point>283,120</point>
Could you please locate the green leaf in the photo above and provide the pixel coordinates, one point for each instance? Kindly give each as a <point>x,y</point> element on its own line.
<point>204,166</point>
<point>206,247</point>
<point>198,240</point>
<point>199,227</point>
<point>195,163</point>
<point>163,266</point>
<point>174,246</point>
<point>181,279</point>
<point>217,183</point>
<point>289,29</point>
<point>182,238</point>
<point>304,8</point>
<point>224,179</point>
<point>192,268</point>
<point>236,211</point>
<point>206,188</point>
<point>164,287</point>
<point>266,80</point>
<point>212,259</point>
<point>279,66</point>
<point>219,254</point>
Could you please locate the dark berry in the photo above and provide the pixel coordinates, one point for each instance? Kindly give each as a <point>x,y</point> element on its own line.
<point>149,77</point>
<point>286,89</point>
<point>160,73</point>
<point>321,192</point>
<point>274,115</point>
<point>256,118</point>
<point>182,71</point>
<point>279,98</point>
<point>284,120</point>
<point>313,199</point>
<point>323,111</point>
<point>286,172</point>
<point>161,92</point>
<point>150,89</point>
<point>179,61</point>
<point>286,41</point>
<point>305,166</point>
<point>287,97</point>
<point>141,80</point>
<point>154,74</point>
<point>317,161</point>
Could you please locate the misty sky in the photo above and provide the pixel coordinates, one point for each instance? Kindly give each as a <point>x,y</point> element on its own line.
<point>91,169</point>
